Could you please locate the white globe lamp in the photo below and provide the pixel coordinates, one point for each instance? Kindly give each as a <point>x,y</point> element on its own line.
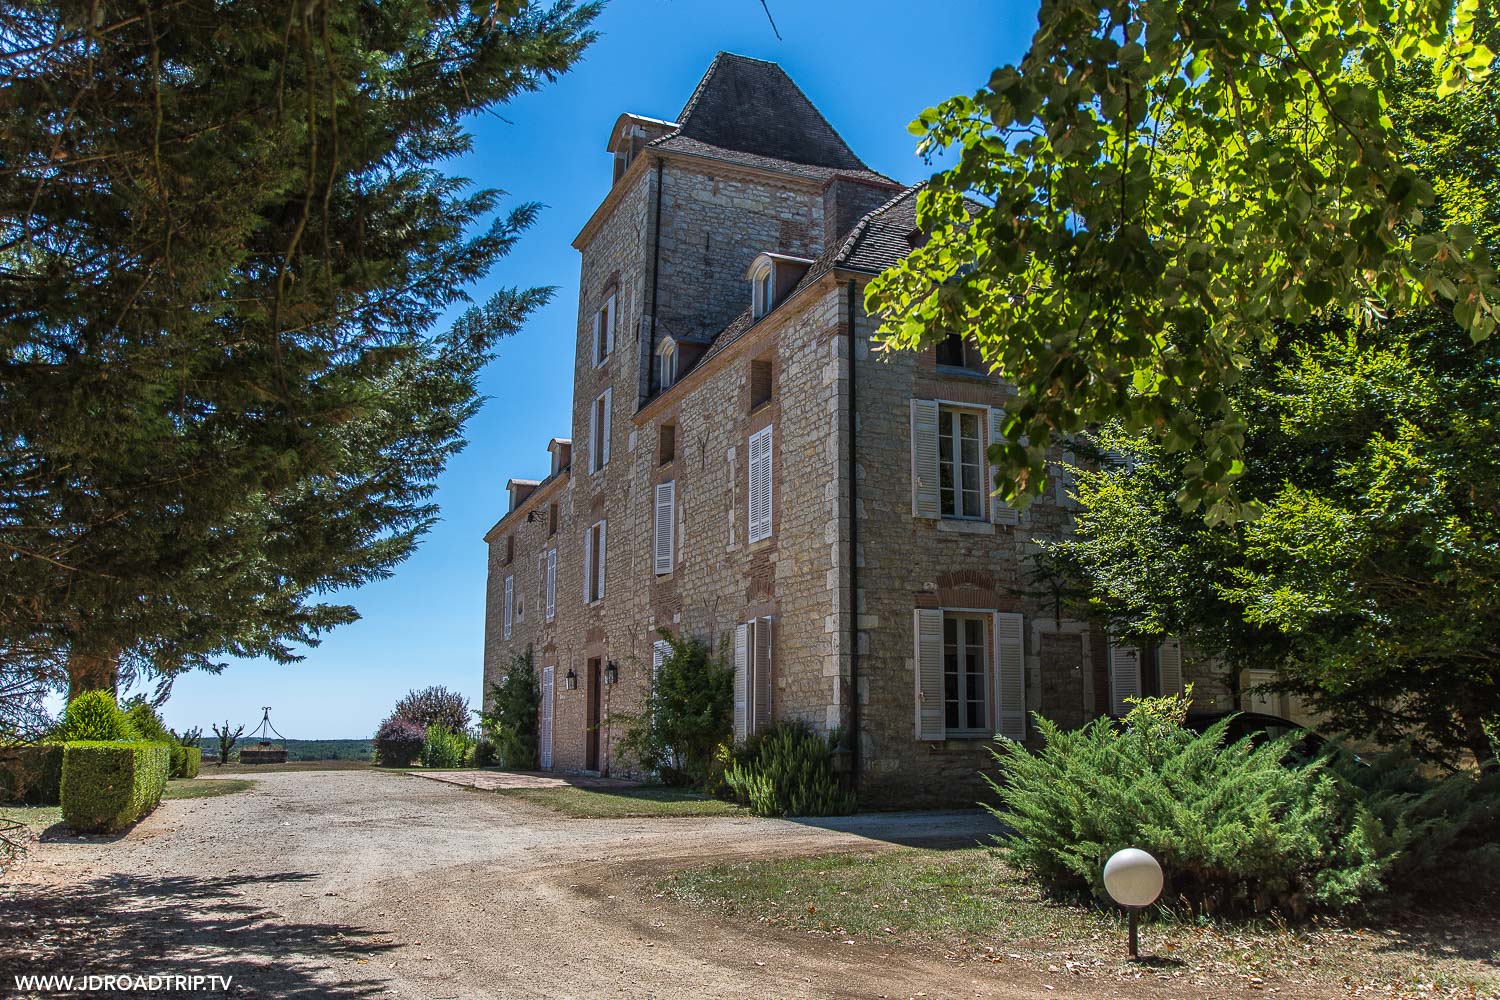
<point>1133,879</point>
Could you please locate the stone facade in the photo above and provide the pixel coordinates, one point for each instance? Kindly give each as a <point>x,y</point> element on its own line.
<point>673,243</point>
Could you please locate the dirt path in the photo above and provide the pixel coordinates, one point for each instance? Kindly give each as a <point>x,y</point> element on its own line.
<point>344,884</point>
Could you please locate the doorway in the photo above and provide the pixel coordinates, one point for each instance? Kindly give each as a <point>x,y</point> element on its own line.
<point>591,735</point>
<point>544,727</point>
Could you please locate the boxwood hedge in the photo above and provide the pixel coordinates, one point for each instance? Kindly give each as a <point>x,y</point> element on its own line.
<point>185,760</point>
<point>108,786</point>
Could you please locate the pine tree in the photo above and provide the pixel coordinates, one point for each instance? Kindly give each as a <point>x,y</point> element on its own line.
<point>225,243</point>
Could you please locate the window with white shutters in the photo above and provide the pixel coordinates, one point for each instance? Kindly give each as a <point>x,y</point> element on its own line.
<point>604,331</point>
<point>551,583</point>
<point>1124,676</point>
<point>665,519</point>
<point>594,545</point>
<point>753,676</point>
<point>510,598</point>
<point>759,496</point>
<point>1000,511</point>
<point>928,657</point>
<point>599,418</point>
<point>961,486</point>
<point>544,723</point>
<point>965,677</point>
<point>1010,674</point>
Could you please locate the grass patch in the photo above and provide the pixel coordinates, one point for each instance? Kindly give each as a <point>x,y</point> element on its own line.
<point>35,818</point>
<point>203,788</point>
<point>970,903</point>
<point>625,803</point>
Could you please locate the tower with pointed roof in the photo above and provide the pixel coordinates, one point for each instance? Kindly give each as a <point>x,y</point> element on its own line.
<point>743,468</point>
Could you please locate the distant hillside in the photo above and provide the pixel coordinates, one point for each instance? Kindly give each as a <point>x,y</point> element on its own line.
<point>301,749</point>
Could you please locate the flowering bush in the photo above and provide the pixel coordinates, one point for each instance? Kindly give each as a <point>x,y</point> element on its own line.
<point>397,742</point>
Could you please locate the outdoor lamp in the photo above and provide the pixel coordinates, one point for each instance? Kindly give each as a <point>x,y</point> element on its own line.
<point>571,680</point>
<point>612,673</point>
<point>1133,879</point>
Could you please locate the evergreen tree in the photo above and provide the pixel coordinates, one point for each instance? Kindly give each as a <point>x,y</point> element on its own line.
<point>224,246</point>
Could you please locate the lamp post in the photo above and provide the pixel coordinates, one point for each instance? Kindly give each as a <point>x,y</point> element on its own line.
<point>1133,879</point>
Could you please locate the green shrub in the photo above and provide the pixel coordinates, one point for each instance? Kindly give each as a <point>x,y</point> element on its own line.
<point>147,724</point>
<point>108,786</point>
<point>787,770</point>
<point>515,708</point>
<point>687,717</point>
<point>93,715</point>
<point>443,748</point>
<point>1236,828</point>
<point>31,773</point>
<point>482,753</point>
<point>185,760</point>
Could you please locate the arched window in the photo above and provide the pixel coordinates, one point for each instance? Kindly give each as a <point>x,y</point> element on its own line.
<point>668,364</point>
<point>763,291</point>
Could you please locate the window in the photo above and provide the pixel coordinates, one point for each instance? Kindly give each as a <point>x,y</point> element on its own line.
<point>666,444</point>
<point>752,676</point>
<point>971,674</point>
<point>960,465</point>
<point>510,598</point>
<point>551,520</point>
<point>593,563</point>
<point>762,292</point>
<point>667,365</point>
<point>604,330</point>
<point>551,596</point>
<point>666,513</point>
<point>599,432</point>
<point>955,351</point>
<point>965,707</point>
<point>760,383</point>
<point>759,494</point>
<point>1143,670</point>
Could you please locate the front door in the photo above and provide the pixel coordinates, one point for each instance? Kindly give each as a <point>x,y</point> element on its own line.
<point>544,725</point>
<point>591,737</point>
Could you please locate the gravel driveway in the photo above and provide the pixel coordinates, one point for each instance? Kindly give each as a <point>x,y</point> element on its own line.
<point>340,884</point>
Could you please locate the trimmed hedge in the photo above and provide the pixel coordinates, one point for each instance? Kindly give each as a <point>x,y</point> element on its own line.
<point>108,786</point>
<point>185,760</point>
<point>93,715</point>
<point>31,774</point>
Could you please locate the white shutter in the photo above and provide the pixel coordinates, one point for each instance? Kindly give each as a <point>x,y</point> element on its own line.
<point>1169,666</point>
<point>928,629</point>
<point>551,582</point>
<point>1010,674</point>
<point>1000,511</point>
<point>660,650</point>
<point>760,486</point>
<point>604,429</point>
<point>666,494</point>
<point>595,354</point>
<point>609,325</point>
<point>925,501</point>
<point>588,566</point>
<point>603,551</point>
<point>544,724</point>
<point>510,600</point>
<point>541,574</point>
<point>761,712</point>
<point>741,682</point>
<point>1124,677</point>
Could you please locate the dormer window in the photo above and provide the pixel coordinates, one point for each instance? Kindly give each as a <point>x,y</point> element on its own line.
<point>764,291</point>
<point>667,364</point>
<point>773,276</point>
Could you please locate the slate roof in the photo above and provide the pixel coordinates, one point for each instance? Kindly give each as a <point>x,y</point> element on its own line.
<point>749,111</point>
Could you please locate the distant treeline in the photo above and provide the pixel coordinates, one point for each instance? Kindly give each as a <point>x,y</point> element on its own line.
<point>300,749</point>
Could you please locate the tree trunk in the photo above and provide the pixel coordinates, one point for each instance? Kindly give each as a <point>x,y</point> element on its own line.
<point>93,672</point>
<point>1478,741</point>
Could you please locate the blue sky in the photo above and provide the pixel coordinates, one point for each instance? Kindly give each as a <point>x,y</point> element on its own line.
<point>869,65</point>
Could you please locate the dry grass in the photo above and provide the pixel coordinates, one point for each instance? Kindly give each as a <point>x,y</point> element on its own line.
<point>969,904</point>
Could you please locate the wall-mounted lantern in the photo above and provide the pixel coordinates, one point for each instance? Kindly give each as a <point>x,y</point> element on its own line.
<point>612,673</point>
<point>571,680</point>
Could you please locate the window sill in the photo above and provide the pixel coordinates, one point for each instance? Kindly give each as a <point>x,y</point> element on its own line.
<point>961,526</point>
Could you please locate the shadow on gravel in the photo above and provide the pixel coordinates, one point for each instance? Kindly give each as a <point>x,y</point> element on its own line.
<point>936,830</point>
<point>177,925</point>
